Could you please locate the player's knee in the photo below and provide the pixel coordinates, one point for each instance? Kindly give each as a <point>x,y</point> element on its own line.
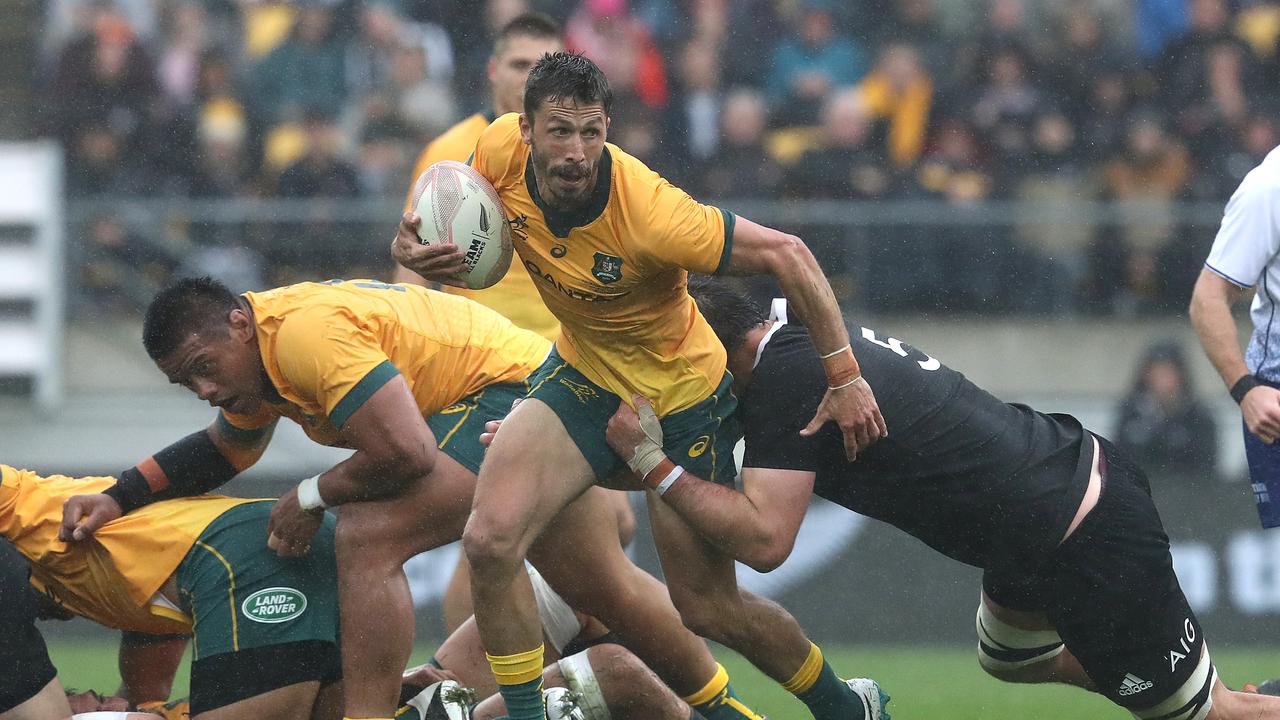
<point>1013,654</point>
<point>489,547</point>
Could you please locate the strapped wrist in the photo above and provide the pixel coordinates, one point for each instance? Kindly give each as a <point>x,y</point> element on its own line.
<point>309,498</point>
<point>841,366</point>
<point>1243,386</point>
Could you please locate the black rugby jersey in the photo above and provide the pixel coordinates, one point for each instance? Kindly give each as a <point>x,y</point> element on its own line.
<point>981,481</point>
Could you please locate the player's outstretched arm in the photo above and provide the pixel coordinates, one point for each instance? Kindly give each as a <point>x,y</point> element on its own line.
<point>194,465</point>
<point>757,526</point>
<point>393,448</point>
<point>1210,312</point>
<point>849,400</point>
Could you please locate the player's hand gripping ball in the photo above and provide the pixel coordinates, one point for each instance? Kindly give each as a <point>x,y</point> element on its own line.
<point>459,206</point>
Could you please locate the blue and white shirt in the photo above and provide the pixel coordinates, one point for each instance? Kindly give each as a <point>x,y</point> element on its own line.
<point>1246,252</point>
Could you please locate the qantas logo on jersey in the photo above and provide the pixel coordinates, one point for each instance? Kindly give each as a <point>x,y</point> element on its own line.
<point>570,292</point>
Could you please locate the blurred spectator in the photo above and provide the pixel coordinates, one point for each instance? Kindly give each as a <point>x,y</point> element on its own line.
<point>1158,22</point>
<point>847,165</point>
<point>238,267</point>
<point>915,23</point>
<point>321,171</point>
<point>305,73</point>
<point>1006,105</point>
<point>97,164</point>
<point>1240,152</point>
<point>1081,53</point>
<point>1004,31</point>
<point>1185,64</point>
<point>1161,421</point>
<point>754,28</point>
<point>810,64</point>
<point>691,123</point>
<point>1104,119</point>
<point>606,32</point>
<point>741,168</point>
<point>1222,105</point>
<point>222,168</point>
<point>1124,261</point>
<point>421,101</point>
<point>178,67</point>
<point>104,77</point>
<point>899,94</point>
<point>372,56</point>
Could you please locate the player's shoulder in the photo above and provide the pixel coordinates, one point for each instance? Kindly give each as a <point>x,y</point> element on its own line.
<point>500,151</point>
<point>458,142</point>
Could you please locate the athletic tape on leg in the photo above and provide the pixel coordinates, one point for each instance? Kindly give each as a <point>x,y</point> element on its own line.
<point>1192,701</point>
<point>1003,647</point>
<point>559,621</point>
<point>581,678</point>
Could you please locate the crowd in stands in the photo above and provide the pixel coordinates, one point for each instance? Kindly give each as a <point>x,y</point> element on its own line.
<point>957,101</point>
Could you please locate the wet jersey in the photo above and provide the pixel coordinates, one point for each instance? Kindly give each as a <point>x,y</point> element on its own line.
<point>982,481</point>
<point>327,347</point>
<point>113,578</point>
<point>615,272</point>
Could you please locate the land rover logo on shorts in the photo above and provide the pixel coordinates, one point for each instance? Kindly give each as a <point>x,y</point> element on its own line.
<point>608,268</point>
<point>274,605</point>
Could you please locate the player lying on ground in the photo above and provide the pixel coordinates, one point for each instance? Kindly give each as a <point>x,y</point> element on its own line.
<point>1078,584</point>
<point>608,243</point>
<point>264,627</point>
<point>406,377</point>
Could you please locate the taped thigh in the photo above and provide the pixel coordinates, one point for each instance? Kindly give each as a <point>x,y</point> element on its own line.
<point>582,680</point>
<point>1003,647</point>
<point>1192,701</point>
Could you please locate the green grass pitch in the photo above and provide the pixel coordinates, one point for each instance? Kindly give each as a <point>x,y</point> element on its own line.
<point>929,683</point>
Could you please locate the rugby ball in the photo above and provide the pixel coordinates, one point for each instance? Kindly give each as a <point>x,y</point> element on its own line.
<point>458,205</point>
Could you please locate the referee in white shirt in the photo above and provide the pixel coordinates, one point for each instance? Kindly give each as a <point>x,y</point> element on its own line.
<point>1246,254</point>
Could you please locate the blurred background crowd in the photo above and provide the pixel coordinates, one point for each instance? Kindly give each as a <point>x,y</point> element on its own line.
<point>956,102</point>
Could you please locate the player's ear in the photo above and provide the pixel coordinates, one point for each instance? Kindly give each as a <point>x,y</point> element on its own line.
<point>241,325</point>
<point>526,129</point>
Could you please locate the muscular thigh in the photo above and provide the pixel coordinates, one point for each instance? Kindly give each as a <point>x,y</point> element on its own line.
<point>531,471</point>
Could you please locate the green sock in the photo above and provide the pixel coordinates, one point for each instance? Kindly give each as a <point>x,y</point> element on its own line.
<point>524,701</point>
<point>829,698</point>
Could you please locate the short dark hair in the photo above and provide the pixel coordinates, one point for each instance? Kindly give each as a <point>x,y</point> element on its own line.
<point>188,306</point>
<point>531,24</point>
<point>731,314</point>
<point>566,76</point>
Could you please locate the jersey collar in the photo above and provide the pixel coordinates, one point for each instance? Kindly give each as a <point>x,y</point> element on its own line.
<point>778,314</point>
<point>559,223</point>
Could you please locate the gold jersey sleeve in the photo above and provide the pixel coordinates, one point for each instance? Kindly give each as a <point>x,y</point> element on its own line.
<point>113,578</point>
<point>514,296</point>
<point>327,347</point>
<point>615,272</point>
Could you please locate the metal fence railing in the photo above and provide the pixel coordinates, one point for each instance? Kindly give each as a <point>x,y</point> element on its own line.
<point>996,257</point>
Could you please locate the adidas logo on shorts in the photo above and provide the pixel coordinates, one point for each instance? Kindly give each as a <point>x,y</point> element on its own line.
<point>1133,685</point>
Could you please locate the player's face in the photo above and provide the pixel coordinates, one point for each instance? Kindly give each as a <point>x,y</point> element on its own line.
<point>509,69</point>
<point>222,368</point>
<point>90,701</point>
<point>566,140</point>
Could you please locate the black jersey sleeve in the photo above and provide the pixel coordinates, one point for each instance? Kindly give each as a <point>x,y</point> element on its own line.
<point>790,383</point>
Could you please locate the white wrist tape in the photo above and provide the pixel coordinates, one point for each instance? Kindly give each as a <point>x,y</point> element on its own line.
<point>648,452</point>
<point>669,480</point>
<point>309,494</point>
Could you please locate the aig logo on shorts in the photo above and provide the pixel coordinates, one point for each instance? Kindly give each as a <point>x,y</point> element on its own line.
<point>274,605</point>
